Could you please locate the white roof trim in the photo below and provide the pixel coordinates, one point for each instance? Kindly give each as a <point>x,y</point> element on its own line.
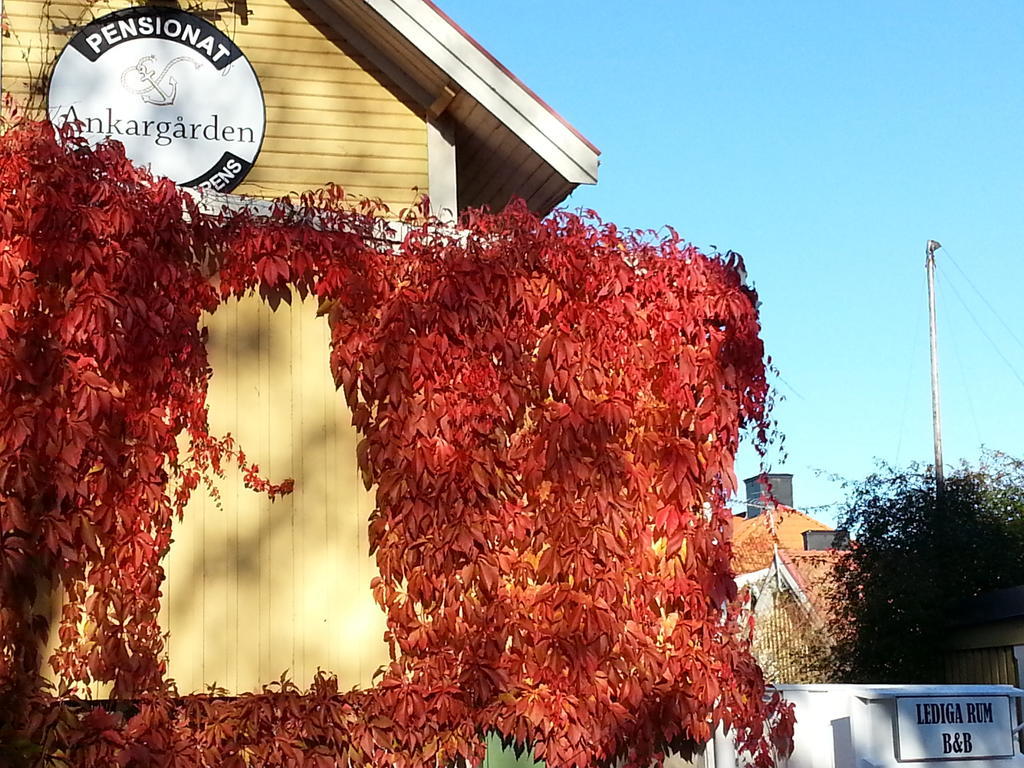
<point>492,87</point>
<point>778,566</point>
<point>892,691</point>
<point>213,203</point>
<point>750,579</point>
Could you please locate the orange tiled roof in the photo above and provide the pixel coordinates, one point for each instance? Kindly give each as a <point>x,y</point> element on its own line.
<point>752,541</point>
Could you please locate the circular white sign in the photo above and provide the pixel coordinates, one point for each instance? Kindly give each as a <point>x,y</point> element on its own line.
<point>171,87</point>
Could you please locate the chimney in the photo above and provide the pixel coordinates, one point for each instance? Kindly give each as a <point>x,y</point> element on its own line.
<point>768,488</point>
<point>817,541</point>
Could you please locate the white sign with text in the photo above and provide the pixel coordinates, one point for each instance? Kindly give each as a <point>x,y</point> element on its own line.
<point>171,87</point>
<point>957,727</point>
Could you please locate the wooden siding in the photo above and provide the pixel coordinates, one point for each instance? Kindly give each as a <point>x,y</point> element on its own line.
<point>789,644</point>
<point>981,666</point>
<point>256,588</point>
<point>331,116</point>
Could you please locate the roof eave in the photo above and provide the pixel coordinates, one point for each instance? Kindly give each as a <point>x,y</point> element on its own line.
<point>509,142</point>
<point>450,49</point>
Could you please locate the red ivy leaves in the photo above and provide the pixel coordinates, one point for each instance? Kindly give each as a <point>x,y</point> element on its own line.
<point>550,411</point>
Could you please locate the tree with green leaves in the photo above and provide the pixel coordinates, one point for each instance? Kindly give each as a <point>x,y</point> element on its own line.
<point>916,555</point>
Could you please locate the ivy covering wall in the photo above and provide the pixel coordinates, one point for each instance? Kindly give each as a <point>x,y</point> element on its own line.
<point>549,409</point>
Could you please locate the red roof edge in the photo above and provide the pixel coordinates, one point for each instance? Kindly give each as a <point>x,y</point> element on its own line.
<point>813,584</point>
<point>795,572</point>
<point>505,69</point>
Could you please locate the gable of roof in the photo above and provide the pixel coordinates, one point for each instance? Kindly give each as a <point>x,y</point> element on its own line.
<point>812,574</point>
<point>508,142</point>
<point>754,542</point>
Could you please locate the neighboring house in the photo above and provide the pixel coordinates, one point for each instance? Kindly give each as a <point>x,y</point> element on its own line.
<point>387,99</point>
<point>783,558</point>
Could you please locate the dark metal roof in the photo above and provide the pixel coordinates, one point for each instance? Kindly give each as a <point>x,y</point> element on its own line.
<point>998,605</point>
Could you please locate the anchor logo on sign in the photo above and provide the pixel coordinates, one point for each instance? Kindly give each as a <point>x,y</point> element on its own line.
<point>159,90</point>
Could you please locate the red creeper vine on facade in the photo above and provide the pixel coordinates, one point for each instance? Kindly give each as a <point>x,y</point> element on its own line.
<point>549,411</point>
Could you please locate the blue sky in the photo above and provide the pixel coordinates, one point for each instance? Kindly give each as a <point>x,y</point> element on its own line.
<point>826,142</point>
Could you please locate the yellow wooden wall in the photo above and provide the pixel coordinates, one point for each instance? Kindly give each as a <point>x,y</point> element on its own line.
<point>331,116</point>
<point>256,588</point>
<point>981,666</point>
<point>789,644</point>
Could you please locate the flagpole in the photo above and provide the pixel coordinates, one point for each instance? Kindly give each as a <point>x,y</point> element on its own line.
<point>940,480</point>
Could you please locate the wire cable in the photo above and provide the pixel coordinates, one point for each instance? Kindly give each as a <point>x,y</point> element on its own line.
<point>985,301</point>
<point>981,328</point>
<point>961,368</point>
<point>735,502</point>
<point>789,386</point>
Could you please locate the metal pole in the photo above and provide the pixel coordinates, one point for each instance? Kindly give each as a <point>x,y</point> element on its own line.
<point>940,480</point>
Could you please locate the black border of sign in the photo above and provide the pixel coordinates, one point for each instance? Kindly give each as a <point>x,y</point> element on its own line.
<point>156,10</point>
<point>896,727</point>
